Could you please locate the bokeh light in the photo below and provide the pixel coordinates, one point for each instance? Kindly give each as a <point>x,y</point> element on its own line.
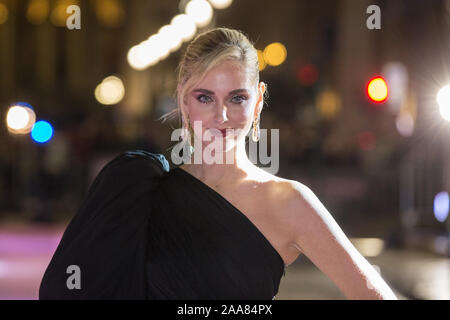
<point>59,14</point>
<point>368,247</point>
<point>377,89</point>
<point>220,4</point>
<point>20,118</point>
<point>42,131</point>
<point>404,123</point>
<point>441,206</point>
<point>3,13</point>
<point>185,26</point>
<point>328,103</point>
<point>110,13</point>
<point>200,11</point>
<point>37,11</point>
<point>17,117</point>
<point>134,58</point>
<point>307,74</point>
<point>275,54</point>
<point>443,100</point>
<point>171,38</point>
<point>148,52</point>
<point>155,48</point>
<point>110,91</point>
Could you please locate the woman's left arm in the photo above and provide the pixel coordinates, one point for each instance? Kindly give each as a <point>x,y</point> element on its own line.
<point>321,239</point>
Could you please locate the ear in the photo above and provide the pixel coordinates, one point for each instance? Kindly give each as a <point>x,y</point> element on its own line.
<point>260,99</point>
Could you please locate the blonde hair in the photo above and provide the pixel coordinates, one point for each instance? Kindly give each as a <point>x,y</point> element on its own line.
<point>203,53</point>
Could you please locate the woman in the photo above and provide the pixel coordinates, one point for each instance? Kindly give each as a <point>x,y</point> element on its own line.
<point>203,230</point>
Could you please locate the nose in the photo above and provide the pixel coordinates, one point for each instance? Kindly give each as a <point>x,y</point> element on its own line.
<point>221,114</point>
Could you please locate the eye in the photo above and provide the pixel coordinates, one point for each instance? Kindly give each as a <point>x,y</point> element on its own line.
<point>238,99</point>
<point>204,98</point>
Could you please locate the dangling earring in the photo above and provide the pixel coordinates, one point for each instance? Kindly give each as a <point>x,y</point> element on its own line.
<point>185,127</point>
<point>256,131</point>
<point>186,134</point>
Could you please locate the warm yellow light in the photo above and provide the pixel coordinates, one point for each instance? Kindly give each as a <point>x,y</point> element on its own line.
<point>110,91</point>
<point>148,52</point>
<point>377,89</point>
<point>185,26</point>
<point>328,103</point>
<point>261,62</point>
<point>155,48</point>
<point>20,120</point>
<point>171,37</point>
<point>275,54</point>
<point>37,11</point>
<point>220,4</point>
<point>109,12</point>
<point>135,58</point>
<point>3,13</point>
<point>59,14</point>
<point>368,247</point>
<point>200,11</point>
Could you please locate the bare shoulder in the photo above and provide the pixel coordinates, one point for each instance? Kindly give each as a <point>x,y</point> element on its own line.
<point>286,192</point>
<point>286,198</point>
<point>298,203</point>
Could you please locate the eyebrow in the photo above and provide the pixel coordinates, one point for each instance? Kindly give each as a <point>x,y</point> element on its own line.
<point>212,93</point>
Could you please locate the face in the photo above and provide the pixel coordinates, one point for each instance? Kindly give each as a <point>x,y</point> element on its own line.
<point>226,98</point>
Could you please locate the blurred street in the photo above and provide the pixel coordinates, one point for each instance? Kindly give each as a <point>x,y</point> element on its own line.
<point>25,251</point>
<point>411,274</point>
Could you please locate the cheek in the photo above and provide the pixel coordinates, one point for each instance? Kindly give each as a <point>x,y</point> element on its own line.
<point>196,112</point>
<point>198,120</point>
<point>244,116</point>
<point>239,117</point>
<point>244,123</point>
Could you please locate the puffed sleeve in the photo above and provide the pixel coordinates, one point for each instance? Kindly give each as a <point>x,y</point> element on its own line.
<point>102,252</point>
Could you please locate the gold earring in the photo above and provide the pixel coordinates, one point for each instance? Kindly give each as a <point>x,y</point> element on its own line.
<point>185,127</point>
<point>186,134</point>
<point>256,131</point>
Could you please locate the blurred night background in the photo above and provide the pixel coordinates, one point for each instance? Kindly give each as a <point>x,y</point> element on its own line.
<point>72,99</point>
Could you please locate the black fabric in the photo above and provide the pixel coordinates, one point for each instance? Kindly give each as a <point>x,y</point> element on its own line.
<point>147,232</point>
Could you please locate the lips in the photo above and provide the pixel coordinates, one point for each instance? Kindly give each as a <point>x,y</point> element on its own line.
<point>224,131</point>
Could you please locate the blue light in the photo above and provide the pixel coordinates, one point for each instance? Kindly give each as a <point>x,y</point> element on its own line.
<point>23,104</point>
<point>42,131</point>
<point>441,206</point>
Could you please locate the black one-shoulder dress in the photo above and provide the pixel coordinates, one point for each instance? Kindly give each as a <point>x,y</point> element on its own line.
<point>145,231</point>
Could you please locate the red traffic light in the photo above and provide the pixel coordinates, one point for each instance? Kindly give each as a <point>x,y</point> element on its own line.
<point>377,89</point>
